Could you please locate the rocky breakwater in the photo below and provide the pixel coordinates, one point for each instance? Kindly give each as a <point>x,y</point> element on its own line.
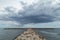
<point>29,34</point>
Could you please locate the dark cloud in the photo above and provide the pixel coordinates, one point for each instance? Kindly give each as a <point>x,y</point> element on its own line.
<point>34,19</point>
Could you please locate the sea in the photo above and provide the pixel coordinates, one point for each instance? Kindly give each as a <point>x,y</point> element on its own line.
<point>12,33</point>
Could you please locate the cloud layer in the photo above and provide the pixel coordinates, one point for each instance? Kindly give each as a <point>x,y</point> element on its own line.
<point>40,12</point>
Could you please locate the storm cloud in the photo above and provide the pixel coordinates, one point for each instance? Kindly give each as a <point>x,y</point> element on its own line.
<point>34,19</point>
<point>40,12</point>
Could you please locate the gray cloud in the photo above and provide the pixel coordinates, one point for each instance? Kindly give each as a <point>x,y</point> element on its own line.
<point>34,19</point>
<point>35,13</point>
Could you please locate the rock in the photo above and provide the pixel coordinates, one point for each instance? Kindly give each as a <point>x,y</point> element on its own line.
<point>29,35</point>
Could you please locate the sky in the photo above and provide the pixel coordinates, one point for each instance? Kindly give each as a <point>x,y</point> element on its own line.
<point>29,13</point>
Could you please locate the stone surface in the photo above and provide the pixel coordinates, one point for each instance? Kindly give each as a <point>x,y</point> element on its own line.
<point>29,35</point>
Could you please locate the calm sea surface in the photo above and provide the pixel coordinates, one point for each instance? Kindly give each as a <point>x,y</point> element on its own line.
<point>49,34</point>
